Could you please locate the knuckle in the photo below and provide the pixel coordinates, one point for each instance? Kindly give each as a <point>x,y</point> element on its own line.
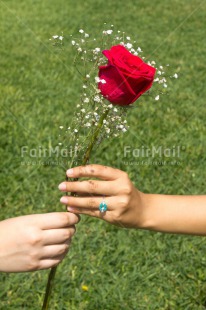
<point>127,190</point>
<point>33,262</point>
<point>125,175</point>
<point>92,186</point>
<point>81,170</point>
<point>64,218</point>
<point>117,218</point>
<point>67,234</point>
<point>33,266</point>
<point>34,238</point>
<point>64,249</point>
<point>124,201</point>
<point>91,203</point>
<point>89,169</point>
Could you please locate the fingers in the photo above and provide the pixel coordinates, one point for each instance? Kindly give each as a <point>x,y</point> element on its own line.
<point>90,187</point>
<point>55,251</point>
<point>91,203</point>
<point>57,236</point>
<point>90,212</point>
<point>96,171</point>
<point>54,220</point>
<point>49,263</point>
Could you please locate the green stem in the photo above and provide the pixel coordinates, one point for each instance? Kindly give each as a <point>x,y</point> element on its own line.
<point>49,286</point>
<point>94,138</point>
<point>85,160</point>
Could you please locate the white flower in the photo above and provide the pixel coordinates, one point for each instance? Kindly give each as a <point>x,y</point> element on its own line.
<point>86,35</point>
<point>165,85</point>
<point>139,50</point>
<point>109,31</point>
<point>60,143</point>
<point>115,110</point>
<point>175,75</point>
<point>157,97</point>
<point>96,50</point>
<point>129,45</point>
<point>159,72</point>
<point>86,100</point>
<point>156,80</point>
<point>97,79</point>
<point>55,37</point>
<point>84,86</point>
<point>161,67</point>
<point>103,81</point>
<point>81,31</point>
<point>97,99</point>
<point>79,49</point>
<point>83,110</point>
<point>73,42</point>
<point>87,76</point>
<point>128,38</point>
<point>61,38</point>
<point>88,125</point>
<point>61,127</point>
<point>108,130</point>
<point>75,130</point>
<point>124,129</point>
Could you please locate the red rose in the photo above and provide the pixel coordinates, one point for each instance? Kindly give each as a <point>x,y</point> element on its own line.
<point>127,76</point>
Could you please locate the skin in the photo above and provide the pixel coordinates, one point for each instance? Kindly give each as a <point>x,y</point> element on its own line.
<point>35,242</point>
<point>130,208</point>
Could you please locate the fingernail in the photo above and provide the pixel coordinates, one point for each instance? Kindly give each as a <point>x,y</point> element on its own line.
<point>62,187</point>
<point>70,209</point>
<point>70,172</point>
<point>64,199</point>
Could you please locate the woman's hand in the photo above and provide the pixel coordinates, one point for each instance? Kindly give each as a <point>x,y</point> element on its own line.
<point>34,242</point>
<point>124,201</point>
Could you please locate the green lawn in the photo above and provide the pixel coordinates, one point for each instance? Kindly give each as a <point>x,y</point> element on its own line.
<point>38,91</point>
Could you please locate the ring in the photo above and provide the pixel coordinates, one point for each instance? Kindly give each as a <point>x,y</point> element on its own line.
<point>103,206</point>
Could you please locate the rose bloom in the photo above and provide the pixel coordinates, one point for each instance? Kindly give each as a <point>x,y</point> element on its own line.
<point>127,76</point>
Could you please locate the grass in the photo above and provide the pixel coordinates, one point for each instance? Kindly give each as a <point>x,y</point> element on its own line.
<point>38,91</point>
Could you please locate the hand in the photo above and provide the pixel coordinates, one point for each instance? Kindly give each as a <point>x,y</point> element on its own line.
<point>124,201</point>
<point>34,242</point>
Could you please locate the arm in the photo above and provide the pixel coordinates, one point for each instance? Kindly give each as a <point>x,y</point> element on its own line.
<point>128,207</point>
<point>175,214</point>
<point>34,242</point>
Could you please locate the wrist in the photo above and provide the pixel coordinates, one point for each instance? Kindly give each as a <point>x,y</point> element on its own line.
<point>146,220</point>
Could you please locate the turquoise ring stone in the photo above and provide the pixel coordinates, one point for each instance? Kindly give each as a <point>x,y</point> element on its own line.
<point>103,207</point>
